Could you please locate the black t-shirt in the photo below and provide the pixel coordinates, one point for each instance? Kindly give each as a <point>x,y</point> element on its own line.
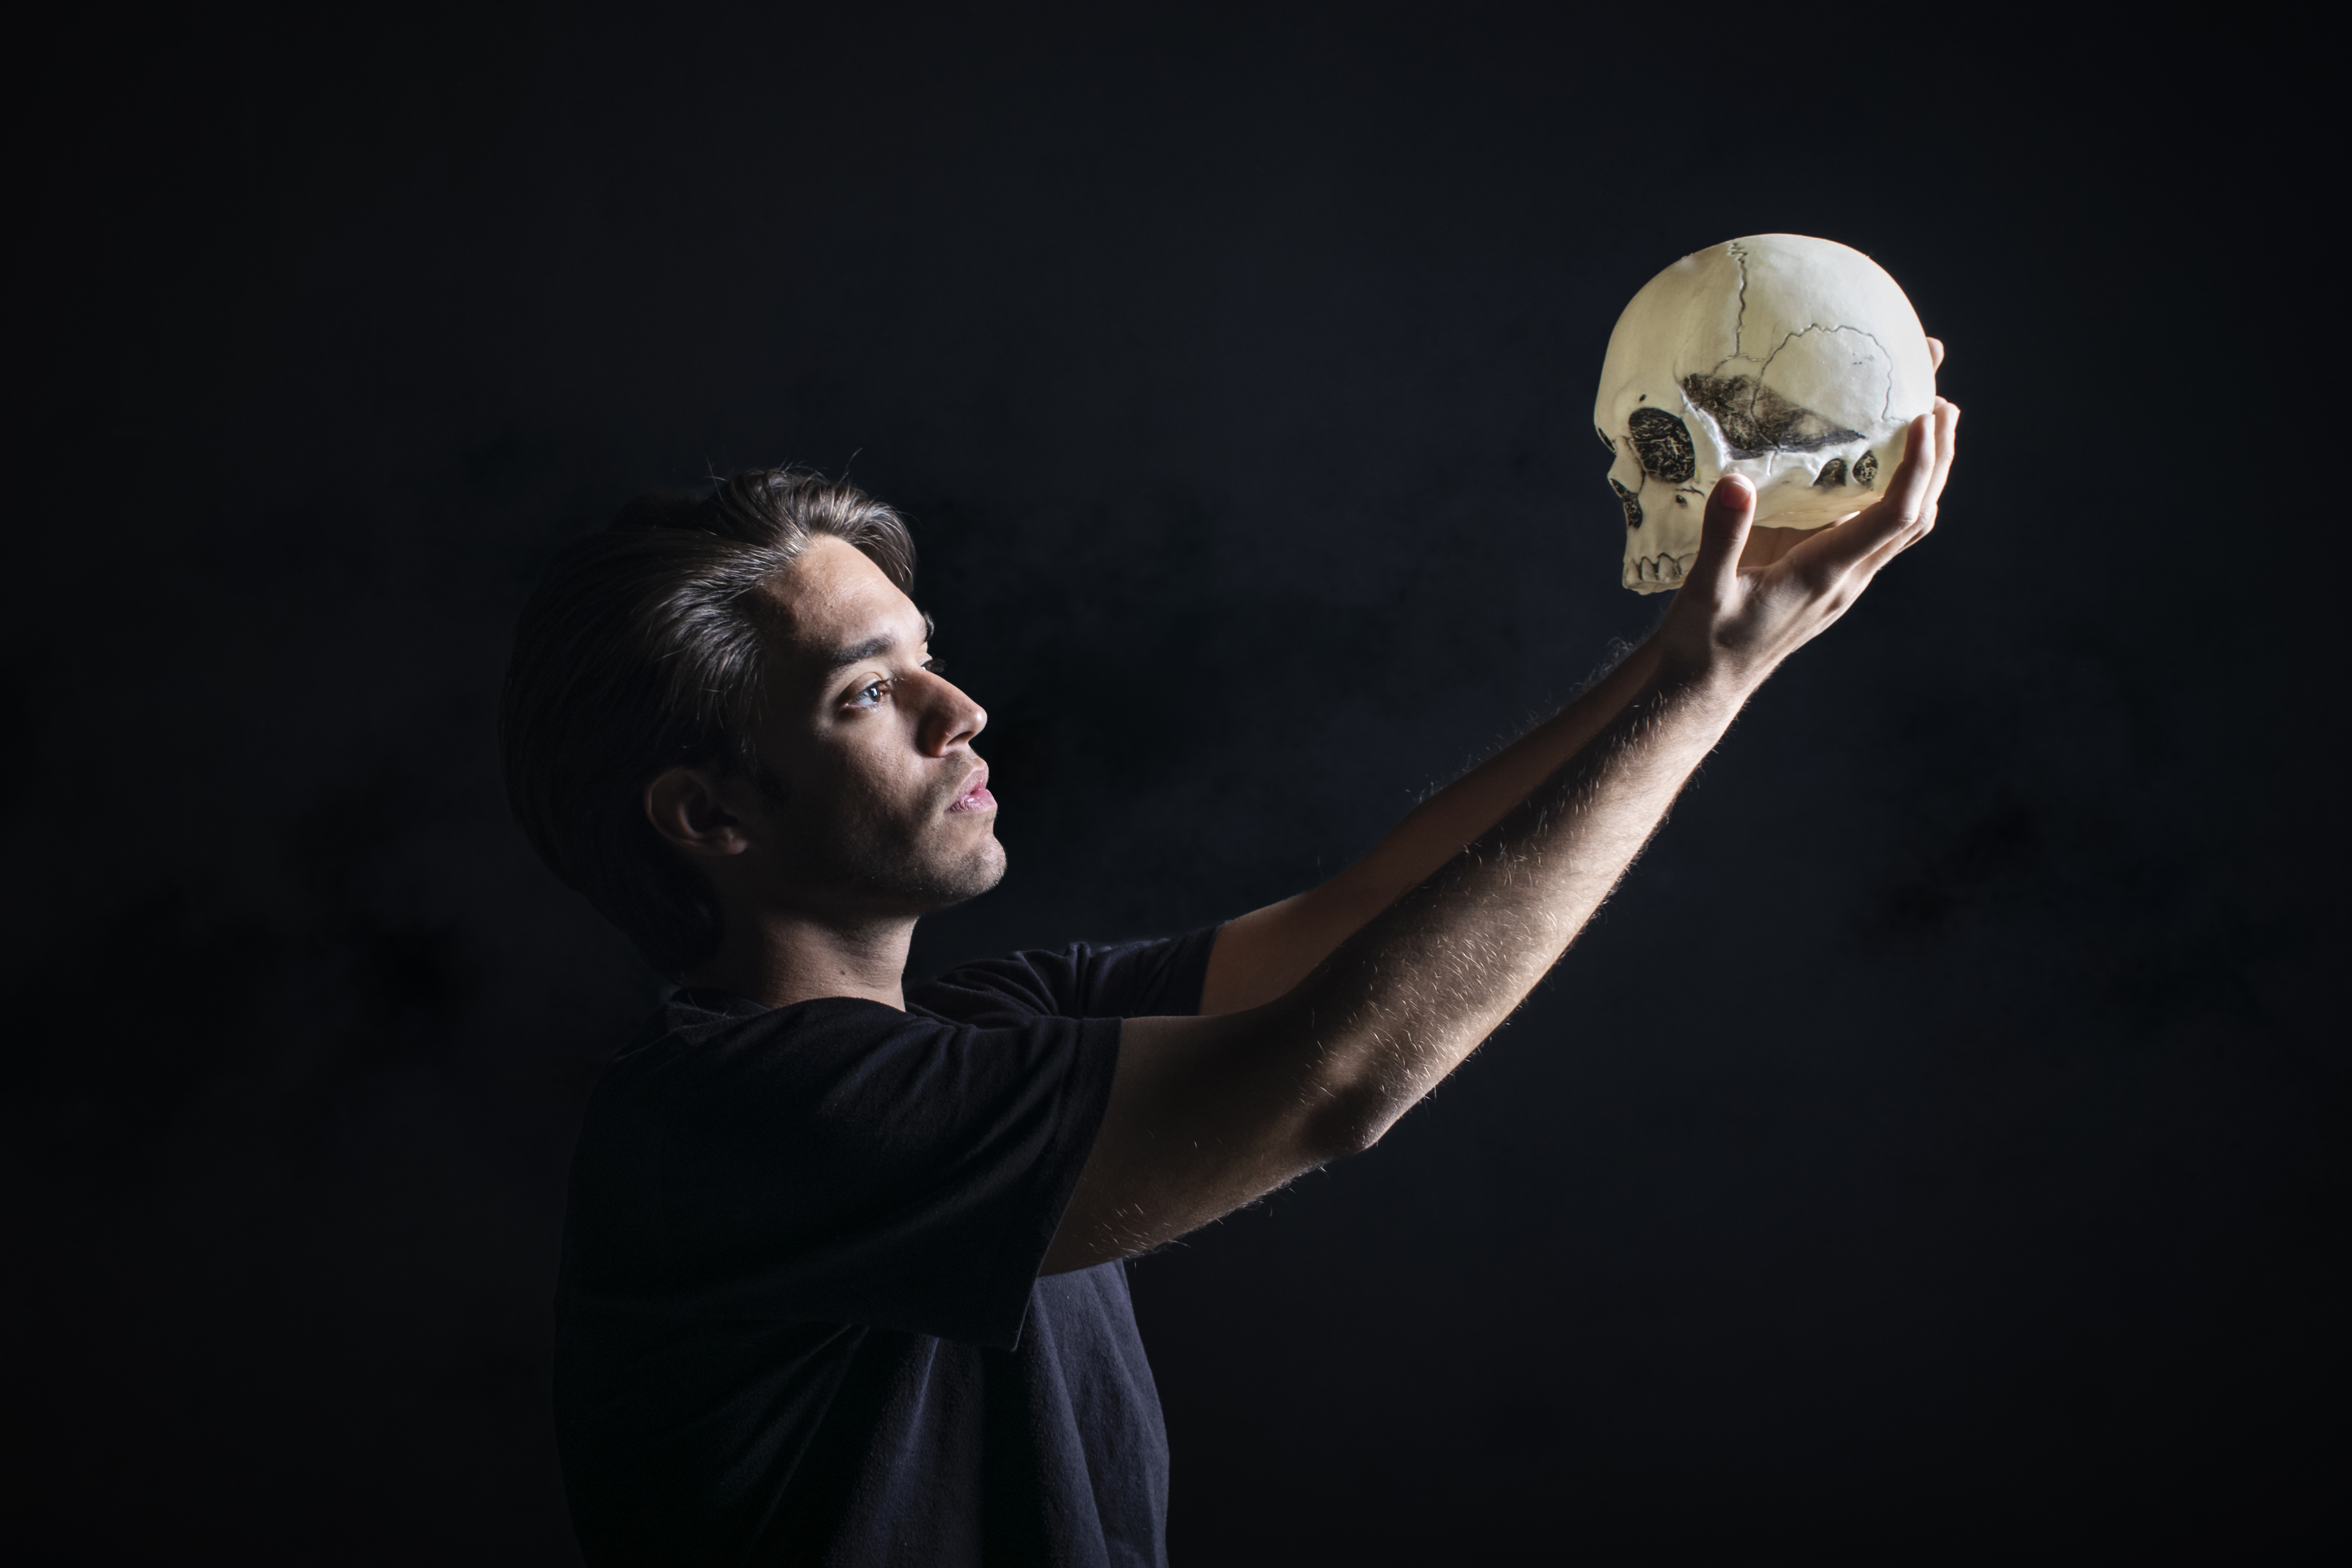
<point>800,1318</point>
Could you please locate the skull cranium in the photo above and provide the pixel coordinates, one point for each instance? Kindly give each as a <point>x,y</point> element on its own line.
<point>1796,362</point>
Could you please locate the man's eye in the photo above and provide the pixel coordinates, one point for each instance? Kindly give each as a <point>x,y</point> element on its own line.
<point>873,691</point>
<point>936,665</point>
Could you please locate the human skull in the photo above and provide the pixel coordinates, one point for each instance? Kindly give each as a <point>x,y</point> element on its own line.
<point>1796,362</point>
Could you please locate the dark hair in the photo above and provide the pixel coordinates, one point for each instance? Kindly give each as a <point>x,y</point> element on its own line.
<point>642,649</point>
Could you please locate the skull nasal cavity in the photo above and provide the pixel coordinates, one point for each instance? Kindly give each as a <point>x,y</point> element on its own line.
<point>1630,501</point>
<point>1662,443</point>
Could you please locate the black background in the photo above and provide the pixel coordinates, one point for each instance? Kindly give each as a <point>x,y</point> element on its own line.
<point>1936,1144</point>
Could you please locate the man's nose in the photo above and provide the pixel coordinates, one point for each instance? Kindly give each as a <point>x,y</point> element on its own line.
<point>951,721</point>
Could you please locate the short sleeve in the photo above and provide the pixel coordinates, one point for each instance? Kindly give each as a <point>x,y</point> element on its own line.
<point>836,1161</point>
<point>1159,978</point>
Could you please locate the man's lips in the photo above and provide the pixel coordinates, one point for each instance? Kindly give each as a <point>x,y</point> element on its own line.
<point>975,796</point>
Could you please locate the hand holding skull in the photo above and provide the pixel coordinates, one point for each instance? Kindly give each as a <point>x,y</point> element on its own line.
<point>1767,544</point>
<point>1732,620</point>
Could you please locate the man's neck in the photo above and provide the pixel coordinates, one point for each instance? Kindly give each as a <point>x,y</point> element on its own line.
<point>777,960</point>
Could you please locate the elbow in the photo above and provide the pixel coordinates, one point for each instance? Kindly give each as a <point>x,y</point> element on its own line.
<point>1347,1124</point>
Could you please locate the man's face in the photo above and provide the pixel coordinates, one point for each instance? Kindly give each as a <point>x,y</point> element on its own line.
<point>885,809</point>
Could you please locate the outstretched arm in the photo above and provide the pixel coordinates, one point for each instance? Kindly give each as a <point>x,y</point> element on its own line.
<point>1208,1113</point>
<point>1262,955</point>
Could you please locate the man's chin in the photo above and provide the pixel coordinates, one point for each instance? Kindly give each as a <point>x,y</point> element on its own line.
<point>975,876</point>
<point>951,882</point>
<point>913,883</point>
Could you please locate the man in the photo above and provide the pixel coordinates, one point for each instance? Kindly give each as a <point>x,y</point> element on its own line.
<point>843,1269</point>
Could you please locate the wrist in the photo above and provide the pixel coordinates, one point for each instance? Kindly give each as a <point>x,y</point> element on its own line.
<point>1712,680</point>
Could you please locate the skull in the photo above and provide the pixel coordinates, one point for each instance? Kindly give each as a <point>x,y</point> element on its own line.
<point>1795,361</point>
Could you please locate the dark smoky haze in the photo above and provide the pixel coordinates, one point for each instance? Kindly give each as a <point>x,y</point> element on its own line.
<point>1937,1144</point>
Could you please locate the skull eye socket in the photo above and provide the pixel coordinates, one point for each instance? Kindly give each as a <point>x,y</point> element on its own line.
<point>1662,443</point>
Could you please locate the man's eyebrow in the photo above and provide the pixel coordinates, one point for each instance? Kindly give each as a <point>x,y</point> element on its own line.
<point>858,652</point>
<point>872,648</point>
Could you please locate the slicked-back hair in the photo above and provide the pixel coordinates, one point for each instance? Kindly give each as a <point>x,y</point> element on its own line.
<point>643,649</point>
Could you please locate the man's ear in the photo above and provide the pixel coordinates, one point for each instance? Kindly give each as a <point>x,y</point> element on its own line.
<point>686,806</point>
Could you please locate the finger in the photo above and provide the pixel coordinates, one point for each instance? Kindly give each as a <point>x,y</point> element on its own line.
<point>1935,355</point>
<point>1948,425</point>
<point>1722,534</point>
<point>1948,422</point>
<point>1896,517</point>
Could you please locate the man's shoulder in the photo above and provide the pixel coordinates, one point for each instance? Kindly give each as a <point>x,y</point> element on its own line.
<point>701,1037</point>
<point>1083,980</point>
<point>701,1040</point>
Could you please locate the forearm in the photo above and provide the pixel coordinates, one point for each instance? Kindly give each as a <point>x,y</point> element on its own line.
<point>1436,831</point>
<point>1263,954</point>
<point>1207,1113</point>
<point>1405,999</point>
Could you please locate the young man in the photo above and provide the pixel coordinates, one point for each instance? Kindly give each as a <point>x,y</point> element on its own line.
<point>843,1274</point>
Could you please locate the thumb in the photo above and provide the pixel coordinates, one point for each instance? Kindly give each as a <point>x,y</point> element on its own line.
<point>1730,513</point>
